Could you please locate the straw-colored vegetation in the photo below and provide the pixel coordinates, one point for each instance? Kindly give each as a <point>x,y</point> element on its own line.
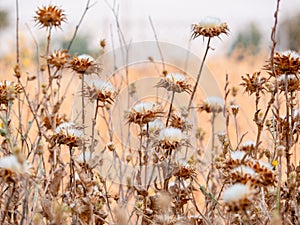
<point>60,169</point>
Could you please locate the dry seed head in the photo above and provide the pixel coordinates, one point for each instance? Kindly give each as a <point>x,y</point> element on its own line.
<point>209,27</point>
<point>111,146</point>
<point>171,138</point>
<point>235,109</point>
<point>68,134</point>
<point>50,120</point>
<point>184,170</point>
<point>175,82</point>
<point>103,91</point>
<point>248,146</point>
<point>154,126</point>
<point>238,155</point>
<point>212,104</point>
<point>244,170</point>
<point>8,91</point>
<point>254,83</point>
<point>12,167</point>
<point>287,62</point>
<point>242,174</point>
<point>58,58</point>
<point>50,16</point>
<point>264,171</point>
<point>180,122</point>
<point>143,113</point>
<point>238,196</point>
<point>84,64</point>
<point>290,80</point>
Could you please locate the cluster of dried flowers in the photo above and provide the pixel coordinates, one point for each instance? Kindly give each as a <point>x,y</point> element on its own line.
<point>51,169</point>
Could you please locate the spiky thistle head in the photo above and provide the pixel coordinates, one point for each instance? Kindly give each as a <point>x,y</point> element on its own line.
<point>50,16</point>
<point>209,27</point>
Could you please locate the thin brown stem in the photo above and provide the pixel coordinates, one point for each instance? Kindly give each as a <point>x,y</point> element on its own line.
<point>199,74</point>
<point>170,109</point>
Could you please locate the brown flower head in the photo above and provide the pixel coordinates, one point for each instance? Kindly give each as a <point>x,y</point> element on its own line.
<point>171,138</point>
<point>103,91</point>
<point>289,81</point>
<point>209,27</point>
<point>180,122</point>
<point>143,113</point>
<point>254,83</point>
<point>248,146</point>
<point>264,171</point>
<point>175,82</point>
<point>238,196</point>
<point>153,127</point>
<point>84,64</point>
<point>58,58</point>
<point>242,174</point>
<point>212,104</point>
<point>12,167</point>
<point>50,16</point>
<point>68,134</point>
<point>287,62</point>
<point>8,91</point>
<point>50,121</point>
<point>185,170</point>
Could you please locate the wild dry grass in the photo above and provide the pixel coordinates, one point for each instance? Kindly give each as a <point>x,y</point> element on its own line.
<point>78,147</point>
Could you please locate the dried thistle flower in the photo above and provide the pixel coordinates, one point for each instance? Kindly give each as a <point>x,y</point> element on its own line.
<point>185,170</point>
<point>235,109</point>
<point>238,155</point>
<point>290,80</point>
<point>153,127</point>
<point>209,27</point>
<point>103,91</point>
<point>50,16</point>
<point>143,113</point>
<point>238,196</point>
<point>264,171</point>
<point>287,62</point>
<point>254,83</point>
<point>8,91</point>
<point>68,134</point>
<point>175,82</point>
<point>84,64</point>
<point>248,146</point>
<point>51,120</point>
<point>212,104</point>
<point>13,167</point>
<point>58,58</point>
<point>180,122</point>
<point>171,138</point>
<point>242,174</point>
<point>91,160</point>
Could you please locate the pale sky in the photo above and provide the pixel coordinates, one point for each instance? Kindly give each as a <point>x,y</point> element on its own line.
<point>172,18</point>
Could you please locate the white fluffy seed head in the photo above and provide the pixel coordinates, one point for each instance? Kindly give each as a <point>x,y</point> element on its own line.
<point>237,193</point>
<point>144,107</point>
<point>210,21</point>
<point>86,56</point>
<point>291,53</point>
<point>69,129</point>
<point>171,134</point>
<point>244,170</point>
<point>237,155</point>
<point>12,164</point>
<point>175,77</point>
